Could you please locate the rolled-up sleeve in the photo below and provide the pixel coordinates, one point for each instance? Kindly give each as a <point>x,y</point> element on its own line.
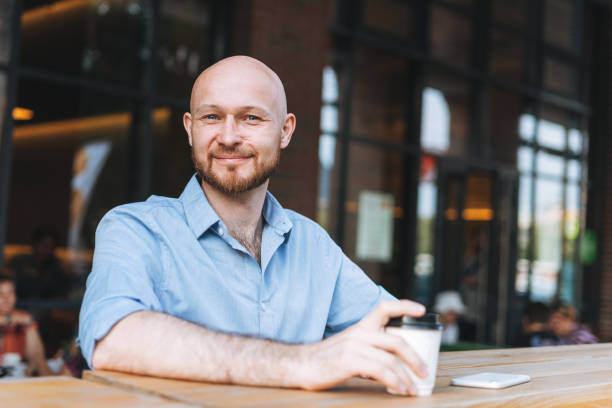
<point>355,294</point>
<point>125,273</point>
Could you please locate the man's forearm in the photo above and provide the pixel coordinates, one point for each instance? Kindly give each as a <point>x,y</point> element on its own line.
<point>158,344</point>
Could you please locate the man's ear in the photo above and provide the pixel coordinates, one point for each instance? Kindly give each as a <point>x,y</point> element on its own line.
<point>187,125</point>
<point>287,131</point>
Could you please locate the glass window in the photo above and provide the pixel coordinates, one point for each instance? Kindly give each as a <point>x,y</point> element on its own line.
<point>510,13</point>
<point>185,45</point>
<point>507,53</point>
<point>559,76</point>
<point>463,3</point>
<point>85,133</point>
<point>329,156</point>
<point>552,130</point>
<point>450,37</point>
<point>575,141</point>
<point>571,232</point>
<point>2,102</point>
<point>70,164</point>
<point>380,91</point>
<point>390,16</point>
<point>524,226</point>
<point>374,211</point>
<point>5,30</point>
<point>426,223</point>
<point>444,114</point>
<point>574,169</point>
<point>172,164</point>
<point>557,129</point>
<point>559,25</point>
<point>527,126</point>
<point>101,40</point>
<point>504,123</point>
<point>548,238</point>
<point>549,164</point>
<point>525,158</point>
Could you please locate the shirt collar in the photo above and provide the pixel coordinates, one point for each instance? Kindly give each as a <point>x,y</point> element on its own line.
<point>275,215</point>
<point>201,216</point>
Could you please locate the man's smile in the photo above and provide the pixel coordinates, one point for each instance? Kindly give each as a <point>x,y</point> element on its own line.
<point>230,159</point>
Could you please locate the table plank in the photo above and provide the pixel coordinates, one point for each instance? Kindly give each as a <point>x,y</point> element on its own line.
<point>51,392</point>
<point>565,375</point>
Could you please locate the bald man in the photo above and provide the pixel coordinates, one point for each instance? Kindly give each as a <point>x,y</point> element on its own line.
<point>225,285</point>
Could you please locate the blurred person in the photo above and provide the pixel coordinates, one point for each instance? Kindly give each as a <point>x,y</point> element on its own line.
<point>223,284</point>
<point>535,331</point>
<point>39,274</point>
<point>450,306</point>
<point>563,323</point>
<point>474,262</point>
<point>19,332</point>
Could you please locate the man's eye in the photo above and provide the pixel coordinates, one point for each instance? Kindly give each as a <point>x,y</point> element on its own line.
<point>252,117</point>
<point>212,116</point>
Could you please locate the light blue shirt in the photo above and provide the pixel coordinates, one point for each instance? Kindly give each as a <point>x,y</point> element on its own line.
<point>176,256</point>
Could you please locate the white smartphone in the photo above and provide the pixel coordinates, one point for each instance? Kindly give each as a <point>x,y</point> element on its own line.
<point>490,380</point>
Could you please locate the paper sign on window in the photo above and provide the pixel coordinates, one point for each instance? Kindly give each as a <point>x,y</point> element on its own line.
<point>375,226</point>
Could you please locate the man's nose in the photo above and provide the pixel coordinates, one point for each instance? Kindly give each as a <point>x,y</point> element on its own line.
<point>229,134</point>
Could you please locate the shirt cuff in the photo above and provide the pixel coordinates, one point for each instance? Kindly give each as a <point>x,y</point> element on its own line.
<point>98,322</point>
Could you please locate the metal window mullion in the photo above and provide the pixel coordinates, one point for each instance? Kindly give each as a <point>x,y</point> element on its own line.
<point>141,145</point>
<point>564,181</point>
<point>412,161</point>
<point>582,185</point>
<point>580,17</point>
<point>348,62</point>
<point>6,138</point>
<point>222,20</point>
<point>78,82</point>
<point>535,19</point>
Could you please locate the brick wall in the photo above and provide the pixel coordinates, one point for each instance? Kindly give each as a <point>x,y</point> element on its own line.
<point>293,39</point>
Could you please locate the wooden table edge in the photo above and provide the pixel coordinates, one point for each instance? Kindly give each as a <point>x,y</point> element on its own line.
<point>90,375</point>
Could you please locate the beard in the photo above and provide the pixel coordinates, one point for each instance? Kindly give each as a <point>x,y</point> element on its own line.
<point>232,183</point>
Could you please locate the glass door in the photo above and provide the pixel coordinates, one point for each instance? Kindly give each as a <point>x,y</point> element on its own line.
<point>474,244</point>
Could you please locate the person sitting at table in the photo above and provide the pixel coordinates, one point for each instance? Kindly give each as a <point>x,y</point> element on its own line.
<point>564,324</point>
<point>225,285</point>
<point>39,274</point>
<point>535,331</point>
<point>450,306</point>
<point>19,332</point>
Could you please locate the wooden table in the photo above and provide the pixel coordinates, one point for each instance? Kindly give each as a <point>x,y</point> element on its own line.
<point>563,376</point>
<point>51,392</point>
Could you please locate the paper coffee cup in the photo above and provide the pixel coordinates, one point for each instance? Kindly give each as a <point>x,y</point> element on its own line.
<point>11,359</point>
<point>423,335</point>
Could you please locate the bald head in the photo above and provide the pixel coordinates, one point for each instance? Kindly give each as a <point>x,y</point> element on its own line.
<point>240,71</point>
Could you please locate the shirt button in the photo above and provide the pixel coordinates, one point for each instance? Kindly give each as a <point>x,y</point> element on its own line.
<point>220,230</point>
<point>263,306</point>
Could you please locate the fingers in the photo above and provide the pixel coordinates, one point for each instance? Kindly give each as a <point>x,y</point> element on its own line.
<point>398,346</point>
<point>388,309</point>
<point>386,369</point>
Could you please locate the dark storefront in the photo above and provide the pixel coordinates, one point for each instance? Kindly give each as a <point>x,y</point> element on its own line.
<point>444,144</point>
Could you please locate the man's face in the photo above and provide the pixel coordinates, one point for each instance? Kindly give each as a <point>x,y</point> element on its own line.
<point>236,128</point>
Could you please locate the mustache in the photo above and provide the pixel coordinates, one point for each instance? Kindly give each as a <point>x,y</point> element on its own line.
<point>231,151</point>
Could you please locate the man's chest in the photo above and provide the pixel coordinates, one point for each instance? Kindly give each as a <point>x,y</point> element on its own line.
<point>218,284</point>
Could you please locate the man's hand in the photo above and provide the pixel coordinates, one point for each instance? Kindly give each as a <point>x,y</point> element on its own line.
<point>366,350</point>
